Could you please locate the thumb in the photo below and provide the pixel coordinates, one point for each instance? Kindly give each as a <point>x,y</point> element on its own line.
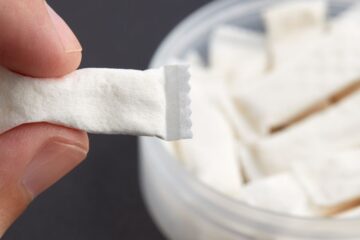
<point>35,41</point>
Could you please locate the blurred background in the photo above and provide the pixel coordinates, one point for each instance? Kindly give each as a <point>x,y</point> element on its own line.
<point>101,198</point>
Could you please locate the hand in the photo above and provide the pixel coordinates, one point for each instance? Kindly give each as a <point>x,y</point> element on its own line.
<point>35,41</point>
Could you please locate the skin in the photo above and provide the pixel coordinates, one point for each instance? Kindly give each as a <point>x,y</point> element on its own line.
<point>34,41</point>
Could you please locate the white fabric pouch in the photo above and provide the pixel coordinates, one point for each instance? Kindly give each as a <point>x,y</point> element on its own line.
<point>110,101</point>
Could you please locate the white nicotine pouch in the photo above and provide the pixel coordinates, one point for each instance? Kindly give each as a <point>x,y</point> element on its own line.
<point>332,181</point>
<point>293,24</point>
<point>238,55</point>
<point>110,101</point>
<point>211,154</point>
<point>332,130</point>
<point>289,95</point>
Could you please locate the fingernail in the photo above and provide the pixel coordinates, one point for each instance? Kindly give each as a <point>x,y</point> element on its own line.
<point>66,35</point>
<point>50,164</point>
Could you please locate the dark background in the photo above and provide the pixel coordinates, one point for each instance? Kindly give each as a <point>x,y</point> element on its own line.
<point>101,198</point>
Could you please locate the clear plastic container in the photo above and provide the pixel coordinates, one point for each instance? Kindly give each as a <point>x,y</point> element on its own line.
<point>185,209</point>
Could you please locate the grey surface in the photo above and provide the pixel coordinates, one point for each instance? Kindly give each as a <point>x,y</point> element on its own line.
<point>101,198</point>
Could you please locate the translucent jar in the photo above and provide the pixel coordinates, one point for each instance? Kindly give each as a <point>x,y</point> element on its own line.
<point>184,208</point>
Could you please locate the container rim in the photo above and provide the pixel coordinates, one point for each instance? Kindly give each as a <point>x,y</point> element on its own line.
<point>236,212</point>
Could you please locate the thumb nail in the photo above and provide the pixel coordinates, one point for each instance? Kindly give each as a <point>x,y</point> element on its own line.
<point>50,164</point>
<point>66,35</point>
